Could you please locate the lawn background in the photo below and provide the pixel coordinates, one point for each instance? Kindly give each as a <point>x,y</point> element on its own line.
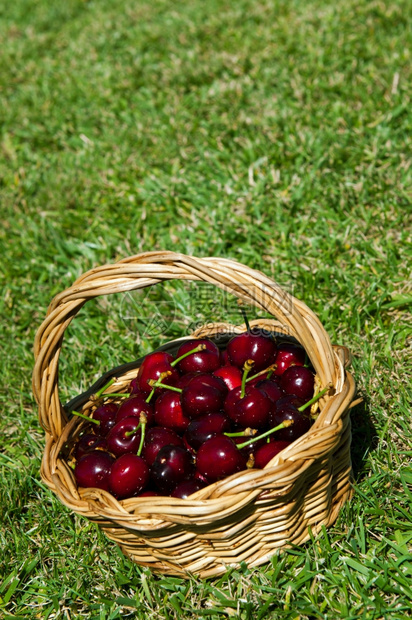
<point>275,133</point>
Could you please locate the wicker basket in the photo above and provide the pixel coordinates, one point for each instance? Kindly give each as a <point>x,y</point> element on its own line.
<point>243,518</point>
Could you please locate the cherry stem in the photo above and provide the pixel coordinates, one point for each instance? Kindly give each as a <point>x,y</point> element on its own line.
<point>159,384</point>
<point>270,370</point>
<point>246,320</point>
<point>248,432</point>
<point>200,347</point>
<point>86,417</point>
<point>149,398</point>
<point>284,424</point>
<point>246,369</point>
<point>104,388</point>
<point>142,438</point>
<point>314,399</point>
<point>133,431</point>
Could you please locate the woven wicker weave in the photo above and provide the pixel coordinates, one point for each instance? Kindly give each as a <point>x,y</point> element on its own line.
<point>247,516</point>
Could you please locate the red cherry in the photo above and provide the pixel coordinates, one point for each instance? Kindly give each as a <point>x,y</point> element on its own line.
<point>251,410</point>
<point>89,442</point>
<point>119,441</point>
<point>286,408</point>
<point>152,369</point>
<point>219,457</point>
<point>257,345</point>
<point>172,465</point>
<point>106,414</point>
<point>206,360</point>
<point>128,476</point>
<point>169,412</point>
<point>288,354</point>
<point>268,451</point>
<point>203,428</point>
<point>231,375</point>
<point>299,381</point>
<point>204,394</point>
<point>270,388</point>
<point>134,406</point>
<point>157,438</point>
<point>187,487</point>
<point>93,469</point>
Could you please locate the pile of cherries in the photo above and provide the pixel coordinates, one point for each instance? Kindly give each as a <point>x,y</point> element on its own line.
<point>190,420</point>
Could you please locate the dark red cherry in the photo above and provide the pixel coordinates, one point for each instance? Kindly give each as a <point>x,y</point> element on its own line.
<point>252,410</point>
<point>187,487</point>
<point>122,439</point>
<point>287,409</point>
<point>89,442</point>
<point>106,414</point>
<point>134,406</point>
<point>203,428</point>
<point>224,358</point>
<point>128,476</point>
<point>204,394</point>
<point>153,367</point>
<point>207,360</point>
<point>169,412</point>
<point>299,381</point>
<point>268,451</point>
<point>219,457</point>
<point>288,354</point>
<point>184,380</point>
<point>172,465</point>
<point>256,344</point>
<point>156,439</point>
<point>93,469</point>
<point>270,388</point>
<point>148,494</point>
<point>231,375</point>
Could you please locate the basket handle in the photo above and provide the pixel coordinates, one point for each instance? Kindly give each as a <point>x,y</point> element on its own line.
<point>150,268</point>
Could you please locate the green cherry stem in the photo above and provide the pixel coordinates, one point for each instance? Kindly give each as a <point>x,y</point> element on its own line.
<point>315,398</point>
<point>149,398</point>
<point>159,384</point>
<point>246,369</point>
<point>200,347</point>
<point>143,422</point>
<point>85,417</point>
<point>270,370</point>
<point>133,431</point>
<point>284,424</point>
<point>248,432</point>
<point>104,388</point>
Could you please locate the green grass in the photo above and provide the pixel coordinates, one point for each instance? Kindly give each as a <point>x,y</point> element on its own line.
<point>275,133</point>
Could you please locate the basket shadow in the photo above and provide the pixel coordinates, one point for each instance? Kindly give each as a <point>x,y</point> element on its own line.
<point>364,438</point>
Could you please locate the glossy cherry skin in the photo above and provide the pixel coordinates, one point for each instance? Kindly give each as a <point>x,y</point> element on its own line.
<point>157,438</point>
<point>299,381</point>
<point>268,451</point>
<point>219,457</point>
<point>288,354</point>
<point>172,465</point>
<point>117,440</point>
<point>252,410</point>
<point>169,412</point>
<point>106,414</point>
<point>271,389</point>
<point>204,394</point>
<point>207,360</point>
<point>231,375</point>
<point>93,470</point>
<point>286,408</point>
<point>89,442</point>
<point>152,367</point>
<point>187,487</point>
<point>134,406</point>
<point>128,476</point>
<point>203,428</point>
<point>256,345</point>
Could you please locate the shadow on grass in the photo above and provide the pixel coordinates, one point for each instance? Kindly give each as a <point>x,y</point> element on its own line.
<point>364,438</point>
